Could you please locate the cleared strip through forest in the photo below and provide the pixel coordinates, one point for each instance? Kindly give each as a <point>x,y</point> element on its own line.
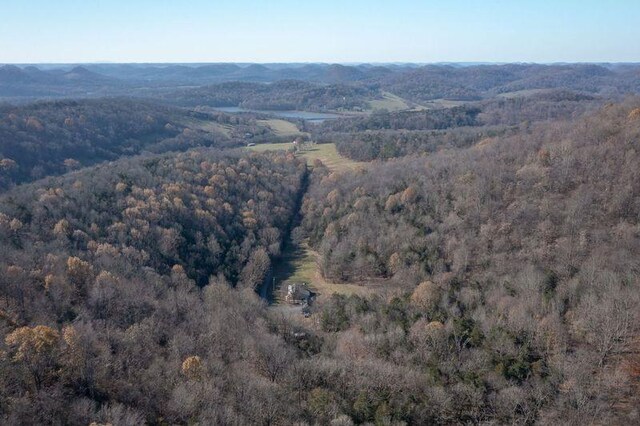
<point>267,288</point>
<point>298,262</point>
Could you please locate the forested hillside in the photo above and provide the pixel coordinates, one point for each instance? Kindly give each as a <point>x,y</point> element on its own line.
<point>314,86</point>
<point>203,211</point>
<point>484,81</point>
<point>384,134</point>
<point>282,95</point>
<point>98,296</point>
<point>519,259</point>
<point>477,264</point>
<point>51,138</point>
<point>441,228</point>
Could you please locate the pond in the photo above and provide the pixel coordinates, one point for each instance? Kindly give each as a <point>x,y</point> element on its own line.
<point>313,117</point>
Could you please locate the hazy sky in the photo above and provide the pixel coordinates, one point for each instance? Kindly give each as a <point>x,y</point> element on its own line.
<point>34,31</point>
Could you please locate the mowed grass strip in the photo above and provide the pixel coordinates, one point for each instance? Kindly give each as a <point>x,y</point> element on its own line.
<point>326,152</point>
<point>209,126</point>
<point>298,265</point>
<point>281,127</point>
<point>390,102</point>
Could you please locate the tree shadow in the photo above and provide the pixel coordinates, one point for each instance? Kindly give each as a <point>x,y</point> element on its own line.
<point>286,265</point>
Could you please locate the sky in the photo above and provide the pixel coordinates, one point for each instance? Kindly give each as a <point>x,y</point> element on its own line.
<point>346,31</point>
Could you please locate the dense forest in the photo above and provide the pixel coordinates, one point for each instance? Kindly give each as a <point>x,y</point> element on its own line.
<point>483,81</point>
<point>407,120</point>
<point>100,290</point>
<point>50,138</point>
<point>384,134</point>
<point>519,256</point>
<point>283,95</point>
<point>472,247</point>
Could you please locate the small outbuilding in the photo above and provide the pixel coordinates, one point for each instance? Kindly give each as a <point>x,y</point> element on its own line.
<point>298,294</point>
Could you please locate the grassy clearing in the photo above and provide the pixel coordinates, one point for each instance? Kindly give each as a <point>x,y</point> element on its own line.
<point>281,127</point>
<point>444,103</point>
<point>394,103</point>
<point>390,102</point>
<point>299,265</point>
<point>327,153</point>
<point>209,126</point>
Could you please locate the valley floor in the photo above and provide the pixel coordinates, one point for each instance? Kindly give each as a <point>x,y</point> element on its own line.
<point>298,263</point>
<point>327,153</point>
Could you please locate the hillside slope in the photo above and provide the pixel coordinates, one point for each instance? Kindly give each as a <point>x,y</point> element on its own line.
<point>100,312</point>
<point>51,138</point>
<point>519,259</point>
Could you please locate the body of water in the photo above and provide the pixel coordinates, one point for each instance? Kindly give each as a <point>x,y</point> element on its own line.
<point>314,117</point>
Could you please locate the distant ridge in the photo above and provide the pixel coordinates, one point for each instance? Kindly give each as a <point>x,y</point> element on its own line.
<point>413,82</point>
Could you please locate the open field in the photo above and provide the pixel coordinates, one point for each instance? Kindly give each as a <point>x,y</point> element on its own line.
<point>208,126</point>
<point>281,127</point>
<point>390,102</point>
<point>299,265</point>
<point>327,153</point>
<point>443,103</point>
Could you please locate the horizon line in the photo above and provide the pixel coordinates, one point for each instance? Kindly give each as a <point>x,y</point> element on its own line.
<point>355,63</point>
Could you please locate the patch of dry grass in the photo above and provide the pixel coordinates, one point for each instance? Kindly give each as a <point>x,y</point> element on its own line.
<point>209,126</point>
<point>390,102</point>
<point>299,265</point>
<point>281,127</point>
<point>327,153</point>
